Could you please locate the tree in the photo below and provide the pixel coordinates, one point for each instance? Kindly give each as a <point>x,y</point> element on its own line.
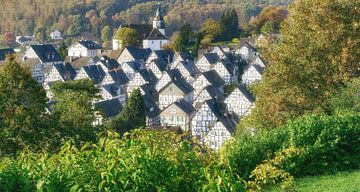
<point>105,35</point>
<point>211,27</point>
<point>318,53</point>
<point>186,34</point>
<point>22,110</point>
<point>63,52</point>
<point>230,24</point>
<point>77,26</point>
<point>178,43</point>
<point>73,110</point>
<point>132,116</point>
<point>8,39</point>
<point>127,37</point>
<point>269,15</point>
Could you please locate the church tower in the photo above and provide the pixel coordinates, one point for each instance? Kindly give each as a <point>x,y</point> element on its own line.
<point>158,22</point>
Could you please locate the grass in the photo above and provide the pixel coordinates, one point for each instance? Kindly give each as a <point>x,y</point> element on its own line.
<point>340,182</point>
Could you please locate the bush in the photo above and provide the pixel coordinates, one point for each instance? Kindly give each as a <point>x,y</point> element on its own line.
<point>328,143</point>
<point>331,143</point>
<point>142,161</point>
<point>245,152</point>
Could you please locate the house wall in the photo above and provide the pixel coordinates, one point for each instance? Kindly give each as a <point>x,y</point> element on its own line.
<point>202,122</point>
<point>238,103</point>
<point>169,95</point>
<point>217,136</point>
<point>250,76</point>
<point>174,116</point>
<point>154,44</point>
<point>78,50</point>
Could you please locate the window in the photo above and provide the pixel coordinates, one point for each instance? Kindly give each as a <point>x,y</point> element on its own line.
<point>171,89</point>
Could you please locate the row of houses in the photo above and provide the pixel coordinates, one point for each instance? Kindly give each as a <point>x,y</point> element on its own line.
<point>178,90</point>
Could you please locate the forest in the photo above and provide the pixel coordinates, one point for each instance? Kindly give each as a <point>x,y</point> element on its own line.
<point>72,17</point>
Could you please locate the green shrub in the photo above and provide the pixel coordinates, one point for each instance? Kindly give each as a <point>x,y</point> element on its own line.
<point>331,143</point>
<point>141,161</point>
<point>245,152</point>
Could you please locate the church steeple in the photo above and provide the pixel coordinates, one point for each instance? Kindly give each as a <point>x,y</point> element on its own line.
<point>158,22</point>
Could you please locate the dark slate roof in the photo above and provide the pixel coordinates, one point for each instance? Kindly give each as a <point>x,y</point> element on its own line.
<point>190,67</point>
<point>46,53</point>
<point>229,122</point>
<point>111,88</point>
<point>133,65</point>
<point>139,53</point>
<point>150,91</point>
<point>109,63</point>
<point>212,58</point>
<point>148,76</point>
<point>214,78</point>
<point>95,73</point>
<point>166,55</point>
<point>229,66</point>
<point>218,108</point>
<point>110,108</point>
<point>185,56</point>
<point>90,44</point>
<point>119,77</point>
<point>156,35</point>
<point>174,73</point>
<point>161,64</point>
<point>142,30</point>
<point>185,106</point>
<point>260,69</point>
<point>66,71</point>
<point>152,110</point>
<point>214,92</point>
<point>181,83</point>
<point>4,52</point>
<point>246,93</point>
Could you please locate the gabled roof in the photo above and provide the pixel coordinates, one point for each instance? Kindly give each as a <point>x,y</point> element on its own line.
<point>134,65</point>
<point>161,64</point>
<point>155,34</point>
<point>111,89</point>
<point>138,53</point>
<point>152,110</point>
<point>214,78</point>
<point>190,67</point>
<point>184,56</point>
<point>229,66</point>
<point>259,69</point>
<point>185,106</point>
<point>166,55</point>
<point>148,76</point>
<point>246,93</point>
<point>90,44</point>
<point>218,108</point>
<point>109,63</point>
<point>110,108</point>
<point>229,122</point>
<point>150,91</point>
<point>66,71</point>
<point>212,58</point>
<point>46,53</point>
<point>119,77</point>
<point>214,92</point>
<point>181,83</point>
<point>95,73</point>
<point>4,52</point>
<point>246,44</point>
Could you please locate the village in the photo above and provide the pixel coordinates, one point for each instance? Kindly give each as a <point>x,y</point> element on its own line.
<point>206,96</point>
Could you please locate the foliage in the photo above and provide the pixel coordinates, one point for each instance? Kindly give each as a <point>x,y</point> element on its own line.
<point>245,152</point>
<point>132,116</point>
<point>7,39</point>
<point>269,20</point>
<point>211,30</point>
<point>311,145</point>
<point>186,34</point>
<point>230,25</point>
<point>22,110</point>
<point>73,110</point>
<point>63,52</point>
<point>142,161</point>
<point>177,44</point>
<point>127,36</point>
<point>106,35</point>
<point>317,55</point>
<point>347,98</point>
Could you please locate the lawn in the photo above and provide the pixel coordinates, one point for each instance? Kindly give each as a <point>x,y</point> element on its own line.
<point>341,182</point>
